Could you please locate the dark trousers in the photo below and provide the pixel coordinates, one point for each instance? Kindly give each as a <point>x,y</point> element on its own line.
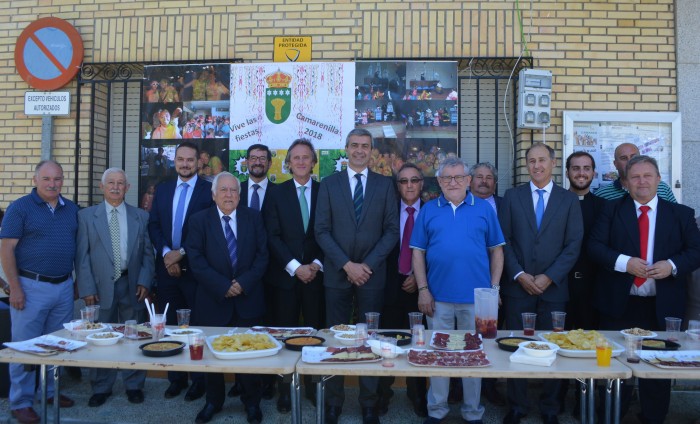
<point>517,388</point>
<point>284,307</point>
<point>251,383</point>
<point>339,303</point>
<point>654,395</point>
<point>395,316</point>
<point>180,294</point>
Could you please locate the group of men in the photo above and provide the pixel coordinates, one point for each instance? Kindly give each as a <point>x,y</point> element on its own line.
<point>259,253</point>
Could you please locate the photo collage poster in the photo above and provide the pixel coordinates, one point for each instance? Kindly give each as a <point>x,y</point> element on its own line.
<point>183,103</point>
<point>412,110</point>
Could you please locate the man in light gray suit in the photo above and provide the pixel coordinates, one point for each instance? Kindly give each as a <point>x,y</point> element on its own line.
<point>115,268</point>
<point>543,228</point>
<point>357,226</point>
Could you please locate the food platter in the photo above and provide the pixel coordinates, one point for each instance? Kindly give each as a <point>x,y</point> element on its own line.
<point>82,332</point>
<point>686,359</point>
<point>510,344</point>
<point>617,349</point>
<point>448,358</point>
<point>645,334</point>
<point>403,338</point>
<point>162,348</point>
<point>260,353</point>
<point>281,333</point>
<point>144,331</point>
<point>45,345</point>
<point>455,341</point>
<point>338,355</point>
<point>104,338</point>
<point>342,328</point>
<point>297,343</point>
<point>659,344</point>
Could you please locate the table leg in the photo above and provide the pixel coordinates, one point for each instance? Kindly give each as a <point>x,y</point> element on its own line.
<point>42,382</point>
<point>320,401</point>
<point>616,396</point>
<point>296,402</point>
<point>56,395</point>
<point>583,389</point>
<point>608,400</point>
<point>591,401</point>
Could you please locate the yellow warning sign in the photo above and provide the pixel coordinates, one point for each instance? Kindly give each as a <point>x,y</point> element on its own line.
<point>292,49</point>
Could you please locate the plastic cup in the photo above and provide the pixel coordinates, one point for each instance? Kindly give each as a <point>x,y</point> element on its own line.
<point>95,313</point>
<point>603,352</point>
<point>673,328</point>
<point>529,319</point>
<point>360,334</point>
<point>196,344</point>
<point>372,320</point>
<point>183,317</point>
<point>388,349</point>
<point>158,326</point>
<point>633,344</point>
<point>87,314</point>
<point>131,329</point>
<point>558,319</point>
<point>415,318</point>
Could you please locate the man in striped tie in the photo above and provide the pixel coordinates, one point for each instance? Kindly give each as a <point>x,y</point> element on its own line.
<point>357,226</point>
<point>646,247</point>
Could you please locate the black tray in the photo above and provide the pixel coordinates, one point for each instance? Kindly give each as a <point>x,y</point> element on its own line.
<point>404,341</point>
<point>162,353</point>
<point>669,345</point>
<point>512,348</point>
<point>298,347</point>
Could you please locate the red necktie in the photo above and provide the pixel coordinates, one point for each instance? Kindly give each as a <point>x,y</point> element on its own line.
<point>643,239</point>
<point>405,254</point>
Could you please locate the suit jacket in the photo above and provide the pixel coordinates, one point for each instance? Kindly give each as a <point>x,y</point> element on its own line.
<point>94,264</point>
<point>160,225</point>
<point>271,187</point>
<point>552,250</point>
<point>211,266</point>
<point>344,239</point>
<point>617,232</point>
<point>285,234</point>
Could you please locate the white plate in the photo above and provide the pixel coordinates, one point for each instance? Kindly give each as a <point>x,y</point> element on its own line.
<point>316,355</point>
<point>103,327</point>
<point>574,353</point>
<point>93,338</point>
<point>650,336</point>
<point>344,340</point>
<point>459,337</point>
<point>679,356</point>
<point>247,354</point>
<point>376,349</point>
<point>351,328</point>
<point>176,334</point>
<point>281,333</point>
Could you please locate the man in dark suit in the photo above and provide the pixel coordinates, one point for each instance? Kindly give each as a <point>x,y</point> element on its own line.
<point>294,280</point>
<point>543,228</point>
<point>173,204</point>
<point>228,254</point>
<point>114,269</point>
<point>356,227</point>
<point>646,247</point>
<point>401,292</point>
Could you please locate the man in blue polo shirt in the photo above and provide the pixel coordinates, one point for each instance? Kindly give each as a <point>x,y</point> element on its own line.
<point>38,247</point>
<point>456,238</point>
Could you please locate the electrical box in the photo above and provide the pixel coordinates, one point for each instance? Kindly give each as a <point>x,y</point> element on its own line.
<point>534,98</point>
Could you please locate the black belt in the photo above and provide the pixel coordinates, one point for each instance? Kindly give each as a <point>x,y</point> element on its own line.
<point>43,278</point>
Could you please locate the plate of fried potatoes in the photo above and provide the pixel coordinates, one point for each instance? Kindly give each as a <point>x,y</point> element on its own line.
<point>243,345</point>
<point>579,343</point>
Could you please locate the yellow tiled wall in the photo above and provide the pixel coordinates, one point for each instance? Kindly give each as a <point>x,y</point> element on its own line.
<point>605,55</point>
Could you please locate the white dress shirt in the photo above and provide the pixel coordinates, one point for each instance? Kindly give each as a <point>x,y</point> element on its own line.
<point>231,222</point>
<point>536,197</point>
<point>353,181</point>
<point>261,191</point>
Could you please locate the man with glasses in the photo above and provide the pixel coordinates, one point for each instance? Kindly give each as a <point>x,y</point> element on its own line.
<point>543,227</point>
<point>447,270</point>
<point>401,292</point>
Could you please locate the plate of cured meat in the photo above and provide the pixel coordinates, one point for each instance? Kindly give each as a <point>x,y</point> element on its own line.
<point>684,359</point>
<point>281,333</point>
<point>455,341</point>
<point>448,358</point>
<point>325,355</point>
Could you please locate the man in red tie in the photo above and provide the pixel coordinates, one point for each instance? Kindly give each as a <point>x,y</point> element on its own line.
<point>646,247</point>
<point>400,291</point>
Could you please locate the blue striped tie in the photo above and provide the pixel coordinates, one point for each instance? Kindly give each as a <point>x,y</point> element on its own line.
<point>539,210</point>
<point>230,242</point>
<point>179,216</point>
<point>358,197</point>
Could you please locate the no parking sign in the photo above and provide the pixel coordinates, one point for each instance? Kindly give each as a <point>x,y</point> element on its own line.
<point>48,53</point>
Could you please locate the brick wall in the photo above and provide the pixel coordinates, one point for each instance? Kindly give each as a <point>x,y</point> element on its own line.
<point>605,55</point>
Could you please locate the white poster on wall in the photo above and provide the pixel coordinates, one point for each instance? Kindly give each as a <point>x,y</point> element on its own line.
<point>275,103</point>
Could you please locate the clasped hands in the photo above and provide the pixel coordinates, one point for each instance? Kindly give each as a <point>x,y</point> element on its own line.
<point>639,268</point>
<point>358,274</point>
<point>534,285</point>
<point>171,261</point>
<point>234,290</point>
<point>307,273</point>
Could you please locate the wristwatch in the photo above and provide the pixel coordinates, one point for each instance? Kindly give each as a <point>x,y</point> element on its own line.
<point>496,287</point>
<point>182,251</point>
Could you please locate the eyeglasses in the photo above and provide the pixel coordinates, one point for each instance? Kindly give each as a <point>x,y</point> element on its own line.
<point>414,180</point>
<point>457,178</point>
<point>261,159</point>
